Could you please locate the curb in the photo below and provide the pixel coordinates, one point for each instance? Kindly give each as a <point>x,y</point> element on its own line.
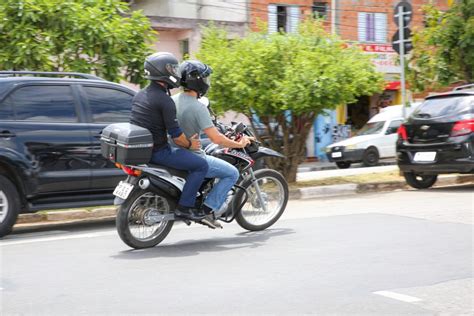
<point>105,214</point>
<point>353,188</point>
<point>334,167</point>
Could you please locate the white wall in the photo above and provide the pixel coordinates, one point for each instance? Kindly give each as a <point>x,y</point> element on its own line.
<point>217,10</point>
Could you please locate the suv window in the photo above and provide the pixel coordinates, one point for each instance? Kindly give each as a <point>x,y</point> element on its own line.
<point>108,105</point>
<point>6,110</point>
<point>445,106</point>
<point>44,104</point>
<point>393,127</point>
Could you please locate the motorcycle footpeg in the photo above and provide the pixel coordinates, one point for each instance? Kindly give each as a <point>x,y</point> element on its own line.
<point>186,221</point>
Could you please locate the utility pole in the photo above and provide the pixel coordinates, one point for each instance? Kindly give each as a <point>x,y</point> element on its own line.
<point>333,16</point>
<point>402,59</point>
<point>402,43</point>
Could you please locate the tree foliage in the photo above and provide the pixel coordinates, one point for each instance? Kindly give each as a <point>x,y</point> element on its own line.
<point>286,80</point>
<point>444,50</point>
<point>91,36</point>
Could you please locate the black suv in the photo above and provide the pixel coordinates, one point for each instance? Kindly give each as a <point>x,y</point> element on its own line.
<point>50,141</point>
<point>437,138</point>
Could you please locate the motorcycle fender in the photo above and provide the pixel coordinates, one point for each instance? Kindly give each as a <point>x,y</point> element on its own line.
<point>118,201</point>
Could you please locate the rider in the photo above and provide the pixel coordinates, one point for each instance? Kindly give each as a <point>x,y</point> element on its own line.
<point>154,110</point>
<point>194,117</point>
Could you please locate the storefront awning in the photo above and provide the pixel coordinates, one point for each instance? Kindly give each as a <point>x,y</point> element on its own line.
<point>393,85</point>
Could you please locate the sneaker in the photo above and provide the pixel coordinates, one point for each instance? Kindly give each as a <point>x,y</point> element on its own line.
<point>211,221</point>
<point>188,213</point>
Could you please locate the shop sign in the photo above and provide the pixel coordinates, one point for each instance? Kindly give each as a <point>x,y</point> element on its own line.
<point>383,57</point>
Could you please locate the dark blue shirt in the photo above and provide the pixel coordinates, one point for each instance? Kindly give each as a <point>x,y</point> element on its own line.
<point>153,109</point>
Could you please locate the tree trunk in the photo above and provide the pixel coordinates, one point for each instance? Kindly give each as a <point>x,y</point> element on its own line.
<point>289,138</point>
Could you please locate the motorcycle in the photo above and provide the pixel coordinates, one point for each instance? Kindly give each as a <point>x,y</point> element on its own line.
<point>149,195</point>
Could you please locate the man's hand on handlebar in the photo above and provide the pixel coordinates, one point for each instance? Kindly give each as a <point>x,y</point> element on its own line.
<point>245,140</point>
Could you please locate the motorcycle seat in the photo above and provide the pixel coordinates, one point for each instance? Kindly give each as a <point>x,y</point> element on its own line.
<point>175,172</point>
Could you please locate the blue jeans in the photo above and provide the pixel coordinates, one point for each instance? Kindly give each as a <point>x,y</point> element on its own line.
<point>227,175</point>
<point>183,159</point>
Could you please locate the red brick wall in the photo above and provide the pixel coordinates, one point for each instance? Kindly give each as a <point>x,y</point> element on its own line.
<point>347,13</point>
<point>259,9</point>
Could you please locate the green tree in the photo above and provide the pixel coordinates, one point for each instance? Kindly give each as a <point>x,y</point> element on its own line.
<point>92,36</point>
<point>444,50</point>
<point>286,80</point>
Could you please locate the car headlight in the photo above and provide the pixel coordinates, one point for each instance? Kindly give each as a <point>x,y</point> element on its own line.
<point>327,149</point>
<point>351,147</point>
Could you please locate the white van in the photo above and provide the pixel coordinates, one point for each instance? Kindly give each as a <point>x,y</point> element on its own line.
<point>375,140</point>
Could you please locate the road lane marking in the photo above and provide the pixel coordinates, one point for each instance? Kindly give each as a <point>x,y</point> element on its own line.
<point>78,236</point>
<point>398,296</point>
<point>55,238</point>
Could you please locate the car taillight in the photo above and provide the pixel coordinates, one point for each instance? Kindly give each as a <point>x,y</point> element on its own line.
<point>128,170</point>
<point>463,127</point>
<point>402,132</point>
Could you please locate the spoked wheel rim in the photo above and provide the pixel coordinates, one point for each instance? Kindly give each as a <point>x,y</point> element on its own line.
<point>3,206</point>
<point>140,222</point>
<point>273,196</point>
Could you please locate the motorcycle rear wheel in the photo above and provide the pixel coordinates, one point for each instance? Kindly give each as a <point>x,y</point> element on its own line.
<point>134,219</point>
<point>274,191</point>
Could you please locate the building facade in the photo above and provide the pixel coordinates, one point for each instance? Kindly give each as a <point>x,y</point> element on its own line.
<point>179,22</point>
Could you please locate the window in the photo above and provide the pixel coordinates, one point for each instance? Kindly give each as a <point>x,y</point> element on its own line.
<point>393,127</point>
<point>6,110</point>
<point>108,105</point>
<point>320,10</point>
<point>372,27</point>
<point>184,47</point>
<point>371,128</point>
<point>445,106</point>
<point>283,18</point>
<point>52,104</point>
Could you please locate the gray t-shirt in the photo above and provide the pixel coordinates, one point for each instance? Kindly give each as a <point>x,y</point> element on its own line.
<point>193,116</point>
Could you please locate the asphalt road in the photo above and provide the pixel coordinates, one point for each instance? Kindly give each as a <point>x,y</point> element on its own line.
<point>400,253</point>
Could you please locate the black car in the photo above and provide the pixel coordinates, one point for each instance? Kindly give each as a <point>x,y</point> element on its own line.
<point>438,138</point>
<point>50,156</point>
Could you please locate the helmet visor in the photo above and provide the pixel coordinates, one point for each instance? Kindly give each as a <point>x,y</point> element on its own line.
<point>207,80</point>
<point>173,69</point>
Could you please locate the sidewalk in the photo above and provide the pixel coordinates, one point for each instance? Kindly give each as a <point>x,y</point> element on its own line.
<point>326,165</point>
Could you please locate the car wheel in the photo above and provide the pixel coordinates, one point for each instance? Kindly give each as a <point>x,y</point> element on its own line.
<point>9,205</point>
<point>370,157</point>
<point>420,181</point>
<point>343,164</point>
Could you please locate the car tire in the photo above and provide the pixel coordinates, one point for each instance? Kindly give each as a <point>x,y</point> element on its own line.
<point>9,205</point>
<point>420,181</point>
<point>370,157</point>
<point>343,164</point>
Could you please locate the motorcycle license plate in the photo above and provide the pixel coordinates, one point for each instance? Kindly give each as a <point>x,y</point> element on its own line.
<point>123,190</point>
<point>336,154</point>
<point>427,156</point>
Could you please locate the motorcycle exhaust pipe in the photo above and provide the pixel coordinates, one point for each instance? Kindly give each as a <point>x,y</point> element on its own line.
<point>144,183</point>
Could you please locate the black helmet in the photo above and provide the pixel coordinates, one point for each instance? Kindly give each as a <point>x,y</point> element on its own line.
<point>195,76</point>
<point>163,67</point>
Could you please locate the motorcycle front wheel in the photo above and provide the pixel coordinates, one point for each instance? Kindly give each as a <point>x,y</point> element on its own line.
<point>267,199</point>
<point>136,219</point>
